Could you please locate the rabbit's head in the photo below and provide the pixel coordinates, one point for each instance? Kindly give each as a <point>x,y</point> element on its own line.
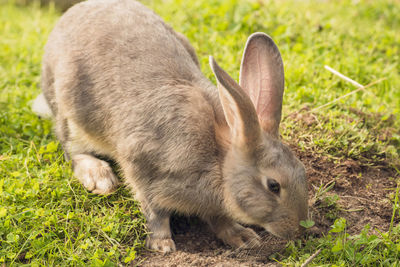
<point>264,183</point>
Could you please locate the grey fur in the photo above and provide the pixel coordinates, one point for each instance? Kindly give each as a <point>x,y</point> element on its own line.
<point>122,84</point>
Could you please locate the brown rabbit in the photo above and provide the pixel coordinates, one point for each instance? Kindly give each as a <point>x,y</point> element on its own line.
<point>121,83</point>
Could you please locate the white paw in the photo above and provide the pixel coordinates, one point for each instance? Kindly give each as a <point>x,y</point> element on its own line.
<point>165,245</point>
<point>95,174</point>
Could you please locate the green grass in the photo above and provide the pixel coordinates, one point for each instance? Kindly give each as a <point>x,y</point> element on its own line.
<point>47,218</point>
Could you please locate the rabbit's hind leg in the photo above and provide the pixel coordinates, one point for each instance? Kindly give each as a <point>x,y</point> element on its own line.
<point>95,174</point>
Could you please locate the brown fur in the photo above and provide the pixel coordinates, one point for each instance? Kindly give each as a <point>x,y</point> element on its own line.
<point>122,84</point>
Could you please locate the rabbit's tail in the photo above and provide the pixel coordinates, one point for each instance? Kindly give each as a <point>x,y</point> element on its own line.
<point>41,107</point>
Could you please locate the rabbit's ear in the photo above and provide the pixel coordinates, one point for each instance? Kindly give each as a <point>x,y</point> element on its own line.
<point>262,78</point>
<point>238,108</point>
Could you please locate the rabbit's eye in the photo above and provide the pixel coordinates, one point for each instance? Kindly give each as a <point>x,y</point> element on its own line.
<point>273,185</point>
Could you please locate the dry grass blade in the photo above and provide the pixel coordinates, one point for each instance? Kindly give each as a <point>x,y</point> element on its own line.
<point>311,258</point>
<point>360,87</point>
<point>343,76</point>
<point>352,92</point>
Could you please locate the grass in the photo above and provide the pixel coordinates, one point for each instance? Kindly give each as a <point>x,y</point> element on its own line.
<point>47,218</point>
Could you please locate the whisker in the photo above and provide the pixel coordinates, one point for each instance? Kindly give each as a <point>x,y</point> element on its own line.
<point>243,247</point>
<point>257,248</point>
<point>248,249</point>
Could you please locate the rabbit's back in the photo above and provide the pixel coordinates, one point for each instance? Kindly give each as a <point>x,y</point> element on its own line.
<point>113,34</point>
<point>112,60</point>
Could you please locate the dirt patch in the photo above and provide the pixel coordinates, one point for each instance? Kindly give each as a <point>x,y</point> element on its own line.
<point>197,246</point>
<point>359,193</point>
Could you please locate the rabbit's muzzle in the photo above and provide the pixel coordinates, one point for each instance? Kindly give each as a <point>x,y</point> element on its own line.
<point>287,225</point>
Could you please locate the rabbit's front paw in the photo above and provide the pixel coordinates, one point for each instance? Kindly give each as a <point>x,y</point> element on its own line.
<point>238,236</point>
<point>95,174</point>
<point>164,245</point>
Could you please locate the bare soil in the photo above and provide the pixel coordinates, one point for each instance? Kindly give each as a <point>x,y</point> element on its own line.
<point>359,193</point>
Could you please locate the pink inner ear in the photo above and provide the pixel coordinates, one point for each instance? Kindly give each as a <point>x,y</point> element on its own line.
<point>257,82</point>
<point>262,78</point>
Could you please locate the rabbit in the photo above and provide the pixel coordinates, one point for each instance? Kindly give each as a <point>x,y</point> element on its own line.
<point>121,84</point>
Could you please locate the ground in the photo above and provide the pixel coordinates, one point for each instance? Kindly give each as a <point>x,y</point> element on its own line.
<point>349,142</point>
